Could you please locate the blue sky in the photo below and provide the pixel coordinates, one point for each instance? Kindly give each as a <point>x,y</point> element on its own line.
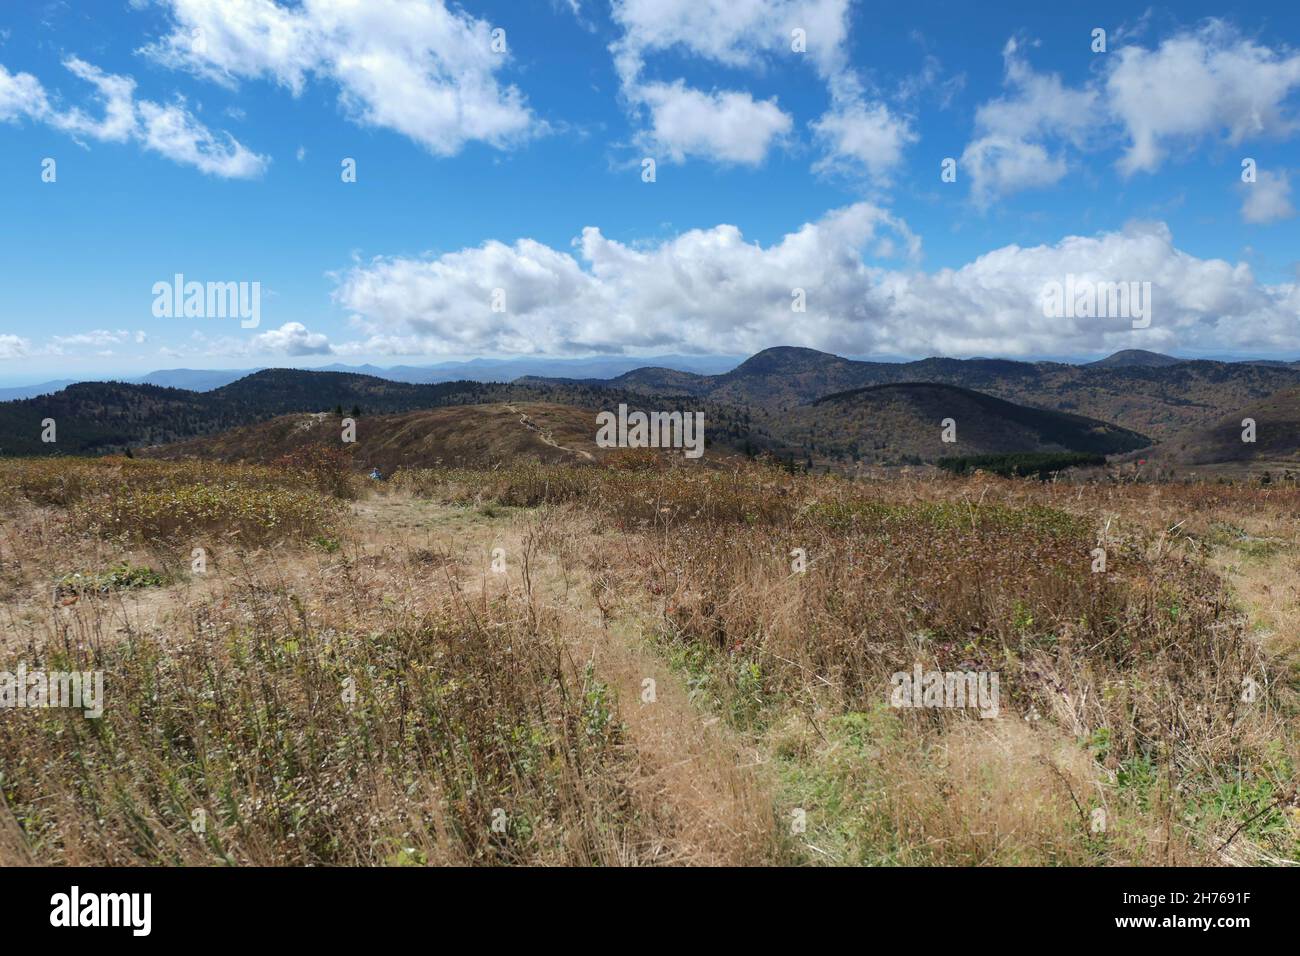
<point>206,138</point>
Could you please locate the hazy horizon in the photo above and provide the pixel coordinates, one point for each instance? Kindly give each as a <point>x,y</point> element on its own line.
<point>720,363</point>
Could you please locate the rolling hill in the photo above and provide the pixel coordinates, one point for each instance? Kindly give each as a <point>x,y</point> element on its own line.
<point>796,403</point>
<point>1128,358</point>
<point>1155,395</point>
<point>901,424</point>
<point>884,424</point>
<point>98,417</point>
<point>103,417</point>
<point>464,435</point>
<point>474,370</point>
<point>1219,447</point>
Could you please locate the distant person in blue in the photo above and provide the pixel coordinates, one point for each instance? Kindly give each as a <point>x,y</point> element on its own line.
<point>376,474</point>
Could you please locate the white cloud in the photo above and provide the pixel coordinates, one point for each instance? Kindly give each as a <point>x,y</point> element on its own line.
<point>292,338</point>
<point>728,127</point>
<point>413,66</point>
<point>574,7</point>
<point>1195,84</point>
<point>1268,199</point>
<point>737,33</point>
<point>1198,84</point>
<point>998,166</point>
<point>14,347</point>
<point>994,304</point>
<point>705,290</point>
<point>169,130</point>
<point>97,337</point>
<point>1008,153</point>
<point>21,94</point>
<point>173,132</point>
<point>94,342</point>
<point>731,126</point>
<point>856,134</point>
<point>117,96</point>
<point>711,290</point>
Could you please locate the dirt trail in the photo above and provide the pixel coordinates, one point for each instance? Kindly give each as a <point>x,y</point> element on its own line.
<point>546,437</point>
<point>709,780</point>
<point>717,807</point>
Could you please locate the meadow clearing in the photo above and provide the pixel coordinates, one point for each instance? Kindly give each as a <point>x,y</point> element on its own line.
<point>644,662</point>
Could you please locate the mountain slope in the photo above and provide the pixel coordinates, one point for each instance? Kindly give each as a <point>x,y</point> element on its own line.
<point>465,435</point>
<point>893,424</point>
<point>31,391</point>
<point>1276,444</point>
<point>761,405</point>
<point>1140,393</point>
<point>98,417</point>
<point>95,417</point>
<point>1127,358</point>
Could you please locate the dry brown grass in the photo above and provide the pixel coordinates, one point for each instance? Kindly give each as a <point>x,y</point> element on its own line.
<point>524,691</point>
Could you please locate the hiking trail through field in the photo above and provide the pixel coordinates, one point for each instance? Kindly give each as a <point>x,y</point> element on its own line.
<point>545,435</point>
<point>689,760</point>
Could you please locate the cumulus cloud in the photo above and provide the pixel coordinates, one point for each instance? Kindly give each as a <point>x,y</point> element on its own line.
<point>711,290</point>
<point>1211,81</point>
<point>1195,303</point>
<point>292,338</point>
<point>21,95</point>
<point>1196,84</point>
<point>729,127</point>
<point>855,135</point>
<point>417,67</point>
<point>733,34</point>
<point>1008,152</point>
<point>169,130</point>
<point>1268,199</point>
<point>706,290</point>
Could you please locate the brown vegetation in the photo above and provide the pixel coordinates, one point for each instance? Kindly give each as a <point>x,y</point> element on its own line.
<point>650,678</point>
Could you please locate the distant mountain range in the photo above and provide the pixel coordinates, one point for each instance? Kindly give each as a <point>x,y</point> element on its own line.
<point>197,380</point>
<point>475,370</point>
<point>796,403</point>
<point>658,370</point>
<point>101,417</point>
<point>1155,395</point>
